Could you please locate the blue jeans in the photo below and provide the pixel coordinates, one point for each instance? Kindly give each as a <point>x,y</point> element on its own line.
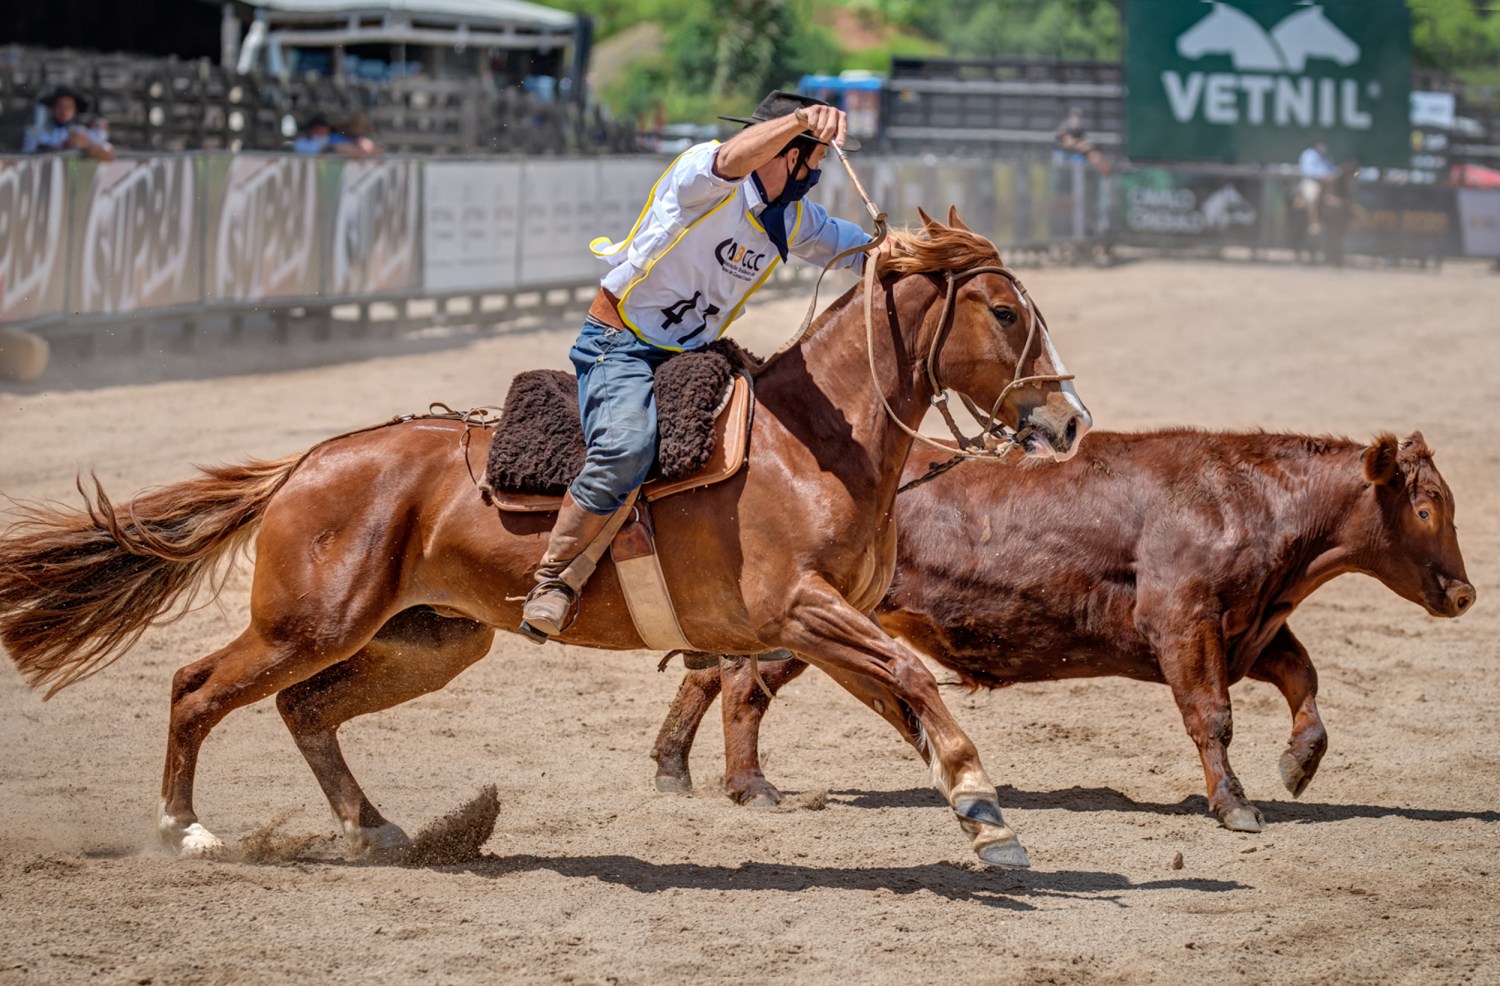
<point>618,407</point>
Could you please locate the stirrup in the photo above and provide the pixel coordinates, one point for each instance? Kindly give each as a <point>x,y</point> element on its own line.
<point>535,634</point>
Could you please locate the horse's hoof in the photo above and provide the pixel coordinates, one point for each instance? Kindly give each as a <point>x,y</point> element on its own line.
<point>1243,820</point>
<point>674,784</point>
<point>385,843</point>
<point>1004,854</point>
<point>764,800</point>
<point>985,811</point>
<point>193,840</point>
<point>1293,774</point>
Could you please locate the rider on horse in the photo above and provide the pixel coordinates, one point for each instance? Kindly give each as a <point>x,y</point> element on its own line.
<point>715,226</point>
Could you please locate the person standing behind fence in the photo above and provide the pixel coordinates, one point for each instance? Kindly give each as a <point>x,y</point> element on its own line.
<point>58,130</point>
<point>1317,168</point>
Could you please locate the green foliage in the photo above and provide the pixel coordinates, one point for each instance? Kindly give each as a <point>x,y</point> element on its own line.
<point>722,55</point>
<point>1083,29</point>
<point>1456,35</point>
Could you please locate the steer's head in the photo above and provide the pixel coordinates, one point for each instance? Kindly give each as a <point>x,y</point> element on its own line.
<point>1410,542</point>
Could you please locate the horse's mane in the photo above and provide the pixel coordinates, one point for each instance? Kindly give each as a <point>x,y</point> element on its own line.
<point>929,248</point>
<point>935,247</point>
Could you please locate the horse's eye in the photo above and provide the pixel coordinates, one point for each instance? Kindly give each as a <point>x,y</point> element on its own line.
<point>1004,315</point>
<point>1423,514</point>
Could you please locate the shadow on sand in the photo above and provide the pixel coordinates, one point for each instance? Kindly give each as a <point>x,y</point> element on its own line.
<point>1002,889</point>
<point>1108,799</point>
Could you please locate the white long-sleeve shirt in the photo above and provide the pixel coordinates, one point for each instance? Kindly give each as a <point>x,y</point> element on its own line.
<point>699,250</point>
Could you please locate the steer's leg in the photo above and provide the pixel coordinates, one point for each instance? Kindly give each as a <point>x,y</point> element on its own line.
<point>744,705</point>
<point>1191,651</point>
<point>678,730</point>
<point>415,653</point>
<point>816,622</point>
<point>1285,664</point>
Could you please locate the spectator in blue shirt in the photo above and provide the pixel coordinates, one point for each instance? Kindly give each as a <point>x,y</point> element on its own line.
<point>1317,168</point>
<point>58,130</point>
<point>316,134</point>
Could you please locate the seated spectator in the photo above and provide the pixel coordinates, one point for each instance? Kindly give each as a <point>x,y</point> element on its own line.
<point>317,132</point>
<point>353,138</point>
<point>58,130</point>
<point>99,133</point>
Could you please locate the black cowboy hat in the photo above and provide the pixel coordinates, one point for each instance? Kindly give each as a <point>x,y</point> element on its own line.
<point>779,104</point>
<point>58,92</point>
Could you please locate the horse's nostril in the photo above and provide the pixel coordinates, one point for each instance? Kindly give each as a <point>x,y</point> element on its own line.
<point>1071,435</point>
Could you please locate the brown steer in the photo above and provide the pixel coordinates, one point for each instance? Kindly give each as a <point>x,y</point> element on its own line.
<point>1174,557</point>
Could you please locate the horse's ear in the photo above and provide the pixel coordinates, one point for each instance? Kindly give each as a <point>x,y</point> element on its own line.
<point>956,222</point>
<point>927,220</point>
<point>1379,459</point>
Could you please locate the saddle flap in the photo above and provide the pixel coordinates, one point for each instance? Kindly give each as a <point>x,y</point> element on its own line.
<point>731,445</point>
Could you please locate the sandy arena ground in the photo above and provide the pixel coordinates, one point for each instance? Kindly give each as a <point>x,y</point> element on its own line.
<point>1385,871</point>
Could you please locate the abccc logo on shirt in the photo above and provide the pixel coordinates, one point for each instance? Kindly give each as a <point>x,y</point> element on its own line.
<point>738,260</point>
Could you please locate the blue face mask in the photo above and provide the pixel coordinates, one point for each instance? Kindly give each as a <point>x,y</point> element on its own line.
<point>773,216</point>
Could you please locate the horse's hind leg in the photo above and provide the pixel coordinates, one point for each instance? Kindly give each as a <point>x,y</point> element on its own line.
<point>415,653</point>
<point>245,671</point>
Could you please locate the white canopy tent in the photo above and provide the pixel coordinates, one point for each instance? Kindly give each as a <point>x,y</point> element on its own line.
<point>458,24</point>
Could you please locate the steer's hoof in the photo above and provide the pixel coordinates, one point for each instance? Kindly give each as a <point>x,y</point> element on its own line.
<point>1004,854</point>
<point>1293,774</point>
<point>674,784</point>
<point>756,793</point>
<point>1243,820</point>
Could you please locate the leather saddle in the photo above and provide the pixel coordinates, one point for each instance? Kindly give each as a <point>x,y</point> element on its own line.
<point>731,431</point>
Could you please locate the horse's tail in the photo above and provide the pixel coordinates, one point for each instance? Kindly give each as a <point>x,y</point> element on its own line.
<point>78,588</point>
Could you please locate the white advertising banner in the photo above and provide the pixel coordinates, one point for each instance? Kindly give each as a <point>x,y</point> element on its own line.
<point>471,240</point>
<point>561,217</point>
<point>375,238</point>
<point>33,237</point>
<point>1479,215</point>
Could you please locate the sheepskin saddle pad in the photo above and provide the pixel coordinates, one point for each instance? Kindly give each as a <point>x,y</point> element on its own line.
<point>538,447</point>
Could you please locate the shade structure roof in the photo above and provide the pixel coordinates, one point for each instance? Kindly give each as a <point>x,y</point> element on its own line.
<point>473,14</point>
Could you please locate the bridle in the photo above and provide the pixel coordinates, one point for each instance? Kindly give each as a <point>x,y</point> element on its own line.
<point>994,440</point>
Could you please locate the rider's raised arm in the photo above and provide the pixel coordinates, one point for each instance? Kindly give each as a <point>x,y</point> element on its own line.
<point>754,146</point>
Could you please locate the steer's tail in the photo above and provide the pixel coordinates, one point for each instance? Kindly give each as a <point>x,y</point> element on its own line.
<point>79,587</point>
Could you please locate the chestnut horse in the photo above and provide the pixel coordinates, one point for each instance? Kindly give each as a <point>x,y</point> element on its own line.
<point>380,572</point>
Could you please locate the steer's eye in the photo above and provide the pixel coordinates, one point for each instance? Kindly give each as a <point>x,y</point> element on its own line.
<point>1004,314</point>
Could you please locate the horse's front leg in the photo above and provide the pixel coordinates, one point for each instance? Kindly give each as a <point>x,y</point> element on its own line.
<point>1285,664</point>
<point>816,622</point>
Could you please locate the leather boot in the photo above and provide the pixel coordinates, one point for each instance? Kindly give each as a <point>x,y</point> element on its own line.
<point>551,601</point>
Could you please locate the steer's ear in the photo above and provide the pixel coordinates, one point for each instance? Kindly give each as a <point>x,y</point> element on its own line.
<point>1379,460</point>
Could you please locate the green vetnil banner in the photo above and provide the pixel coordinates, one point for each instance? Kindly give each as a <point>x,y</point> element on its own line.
<point>1256,81</point>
